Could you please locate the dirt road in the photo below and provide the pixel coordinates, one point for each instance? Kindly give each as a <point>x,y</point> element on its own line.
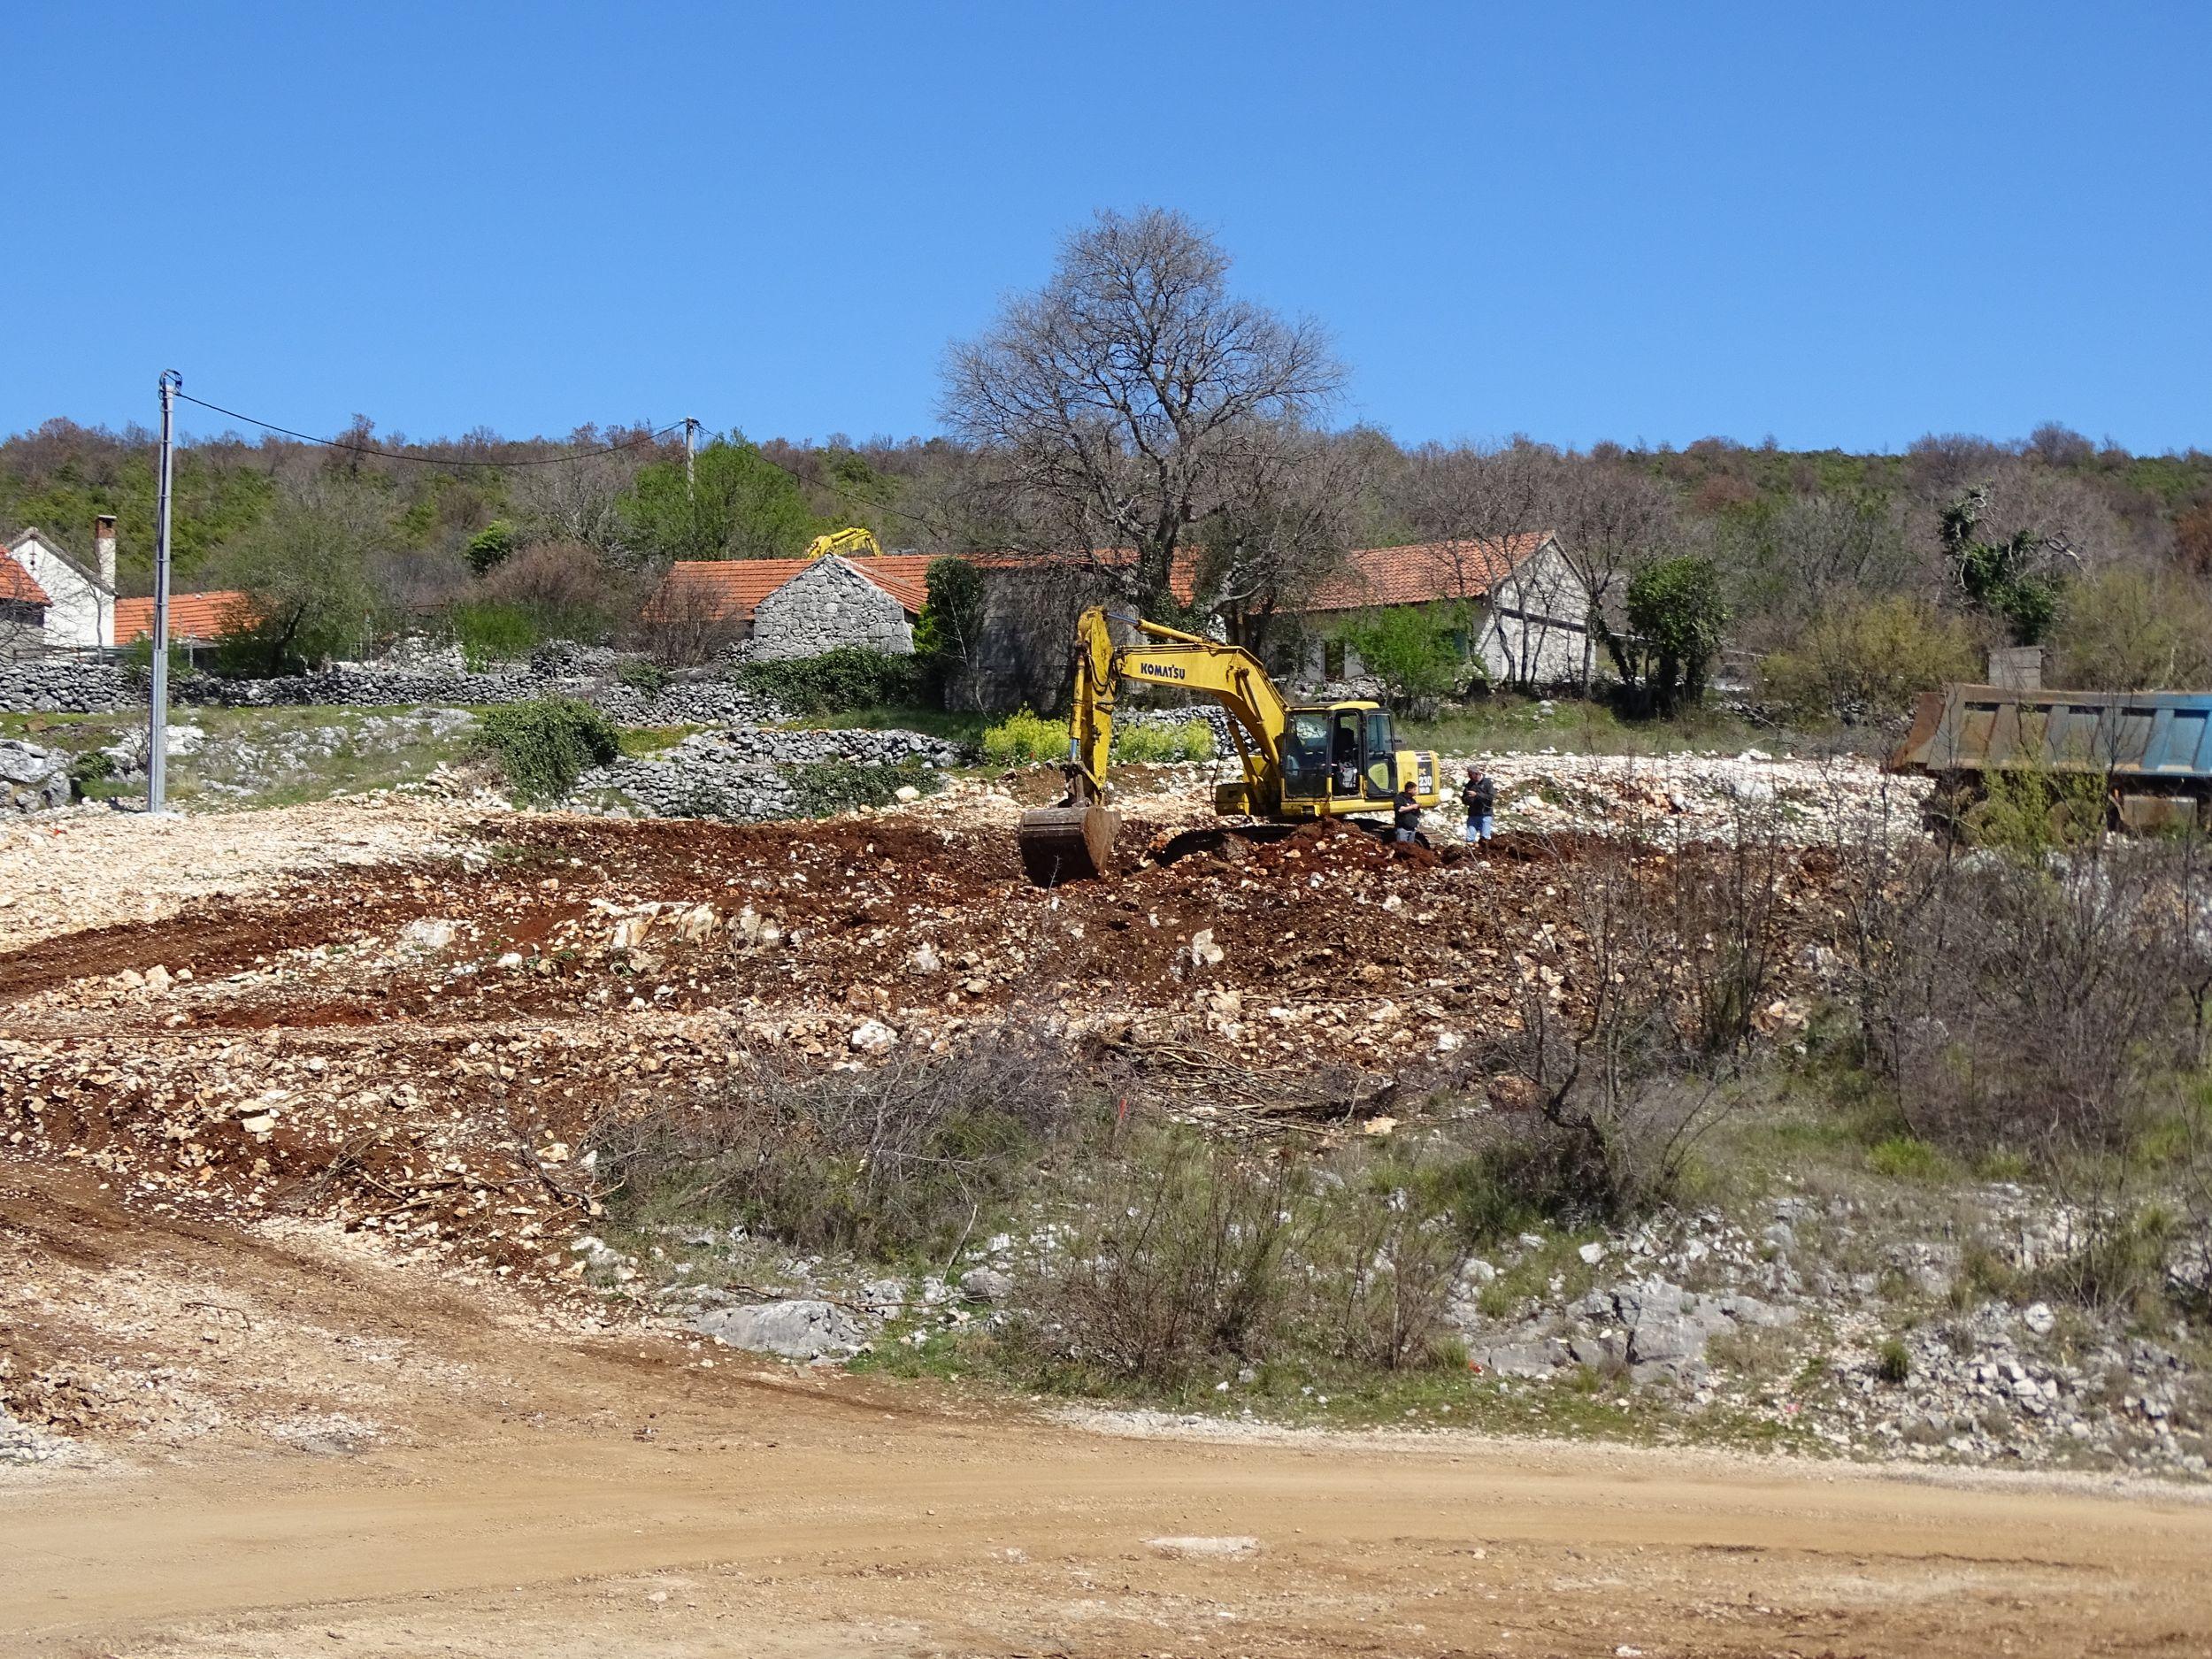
<point>754,1525</point>
<point>508,1488</point>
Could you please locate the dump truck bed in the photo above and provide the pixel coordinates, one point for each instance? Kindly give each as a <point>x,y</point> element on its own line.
<point>2154,746</point>
<point>2164,735</point>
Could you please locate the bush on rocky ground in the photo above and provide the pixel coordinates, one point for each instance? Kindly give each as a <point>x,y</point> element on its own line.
<point>1156,743</point>
<point>1174,1258</point>
<point>544,747</point>
<point>903,1159</point>
<point>1680,958</point>
<point>850,677</point>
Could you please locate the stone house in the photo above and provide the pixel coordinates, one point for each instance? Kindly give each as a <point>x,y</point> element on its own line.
<point>75,602</point>
<point>1526,611</point>
<point>771,610</point>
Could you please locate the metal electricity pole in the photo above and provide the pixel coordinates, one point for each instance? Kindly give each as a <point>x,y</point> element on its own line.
<point>157,714</point>
<point>691,440</point>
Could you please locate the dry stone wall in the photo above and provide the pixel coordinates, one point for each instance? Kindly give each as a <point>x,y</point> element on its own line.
<point>65,687</point>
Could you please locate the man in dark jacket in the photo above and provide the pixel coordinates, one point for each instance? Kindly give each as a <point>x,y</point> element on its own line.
<point>1481,798</point>
<point>1406,817</point>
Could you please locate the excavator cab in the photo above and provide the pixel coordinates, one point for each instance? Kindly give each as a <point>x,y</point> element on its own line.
<point>1342,752</point>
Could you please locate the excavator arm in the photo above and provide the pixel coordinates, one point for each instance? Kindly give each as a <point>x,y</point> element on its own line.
<point>1160,655</point>
<point>1075,839</point>
<point>857,539</point>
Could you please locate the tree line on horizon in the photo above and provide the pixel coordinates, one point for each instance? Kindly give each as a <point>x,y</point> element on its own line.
<point>1135,405</point>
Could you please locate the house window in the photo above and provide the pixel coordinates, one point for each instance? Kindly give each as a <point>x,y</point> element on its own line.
<point>1333,659</point>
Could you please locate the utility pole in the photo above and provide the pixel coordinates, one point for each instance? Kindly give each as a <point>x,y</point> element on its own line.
<point>157,714</point>
<point>691,440</point>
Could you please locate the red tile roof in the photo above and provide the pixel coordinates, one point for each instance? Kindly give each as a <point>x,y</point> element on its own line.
<point>1427,571</point>
<point>1377,576</point>
<point>18,585</point>
<point>735,588</point>
<point>191,616</point>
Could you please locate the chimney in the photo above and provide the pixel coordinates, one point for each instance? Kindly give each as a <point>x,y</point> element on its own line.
<point>103,548</point>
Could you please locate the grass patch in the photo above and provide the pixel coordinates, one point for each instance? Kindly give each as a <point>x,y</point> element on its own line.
<point>1905,1158</point>
<point>953,725</point>
<point>639,743</point>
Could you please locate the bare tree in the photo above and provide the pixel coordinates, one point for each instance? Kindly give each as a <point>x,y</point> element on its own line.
<point>577,502</point>
<point>1286,530</point>
<point>1612,519</point>
<point>1133,394</point>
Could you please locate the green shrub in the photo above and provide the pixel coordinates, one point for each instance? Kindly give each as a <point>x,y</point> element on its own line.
<point>2026,813</point>
<point>544,747</point>
<point>1022,739</point>
<point>1893,1361</point>
<point>850,677</point>
<point>492,546</point>
<point>90,766</point>
<point>830,787</point>
<point>1867,658</point>
<point>1142,744</point>
<point>1413,650</point>
<point>647,677</point>
<point>491,630</point>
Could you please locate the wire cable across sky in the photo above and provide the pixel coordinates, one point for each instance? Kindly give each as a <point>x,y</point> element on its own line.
<point>425,460</point>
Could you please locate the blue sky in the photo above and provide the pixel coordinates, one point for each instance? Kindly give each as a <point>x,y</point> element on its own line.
<point>1848,224</point>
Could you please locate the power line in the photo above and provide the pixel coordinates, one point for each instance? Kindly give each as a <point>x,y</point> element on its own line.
<point>425,460</point>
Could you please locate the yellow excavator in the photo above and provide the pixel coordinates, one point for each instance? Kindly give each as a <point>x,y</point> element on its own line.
<point>856,538</point>
<point>1324,760</point>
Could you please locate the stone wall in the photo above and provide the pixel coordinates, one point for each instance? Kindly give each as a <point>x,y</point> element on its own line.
<point>828,605</point>
<point>61,686</point>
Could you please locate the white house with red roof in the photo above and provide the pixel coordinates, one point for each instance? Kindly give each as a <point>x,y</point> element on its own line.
<point>75,602</point>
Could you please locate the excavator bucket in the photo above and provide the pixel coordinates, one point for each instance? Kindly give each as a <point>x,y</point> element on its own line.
<point>1067,843</point>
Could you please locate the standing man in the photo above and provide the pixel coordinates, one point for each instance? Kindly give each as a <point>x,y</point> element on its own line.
<point>1481,798</point>
<point>1405,819</point>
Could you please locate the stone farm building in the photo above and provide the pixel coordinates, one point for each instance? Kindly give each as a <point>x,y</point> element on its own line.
<point>773,610</point>
<point>1524,613</point>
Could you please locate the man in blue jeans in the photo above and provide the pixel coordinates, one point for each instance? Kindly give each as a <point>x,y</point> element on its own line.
<point>1481,798</point>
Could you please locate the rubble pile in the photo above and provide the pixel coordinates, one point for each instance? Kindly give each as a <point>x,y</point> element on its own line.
<point>1810,801</point>
<point>1787,1325</point>
<point>742,771</point>
<point>32,778</point>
